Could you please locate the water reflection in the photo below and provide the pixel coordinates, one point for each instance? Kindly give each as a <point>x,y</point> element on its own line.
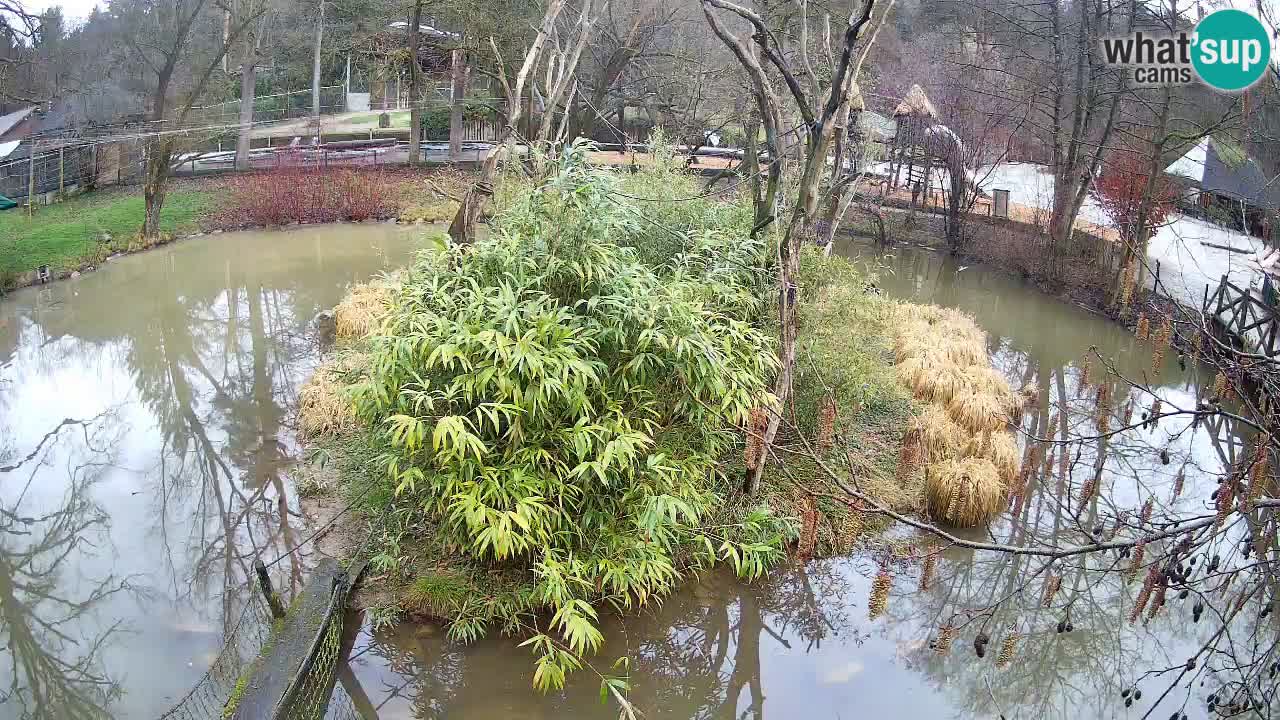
<point>49,672</point>
<point>800,644</point>
<point>197,349</point>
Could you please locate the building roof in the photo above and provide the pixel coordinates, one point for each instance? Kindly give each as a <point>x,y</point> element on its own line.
<point>876,125</point>
<point>916,104</point>
<point>7,122</point>
<point>1224,169</point>
<point>427,31</point>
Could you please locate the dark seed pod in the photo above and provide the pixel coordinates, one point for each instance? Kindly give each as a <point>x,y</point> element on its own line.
<point>980,644</point>
<point>1191,664</point>
<point>1062,626</point>
<point>1266,610</point>
<point>1164,457</point>
<point>1213,564</point>
<point>1125,693</point>
<point>1097,529</point>
<point>1128,702</point>
<point>1124,552</point>
<point>1183,595</point>
<point>1137,694</point>
<point>1070,627</point>
<point>1213,698</point>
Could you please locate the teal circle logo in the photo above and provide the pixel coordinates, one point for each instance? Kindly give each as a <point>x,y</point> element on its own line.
<point>1231,49</point>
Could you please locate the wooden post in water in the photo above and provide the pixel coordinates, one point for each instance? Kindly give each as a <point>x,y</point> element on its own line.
<point>264,584</point>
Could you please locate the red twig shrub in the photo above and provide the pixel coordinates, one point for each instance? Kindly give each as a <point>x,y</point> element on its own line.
<point>1120,190</point>
<point>310,195</point>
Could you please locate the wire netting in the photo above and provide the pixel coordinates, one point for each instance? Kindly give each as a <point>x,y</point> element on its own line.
<point>210,695</point>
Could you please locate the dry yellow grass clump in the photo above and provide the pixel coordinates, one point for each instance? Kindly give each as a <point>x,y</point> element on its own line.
<point>324,408</point>
<point>362,310</point>
<point>965,493</point>
<point>968,450</point>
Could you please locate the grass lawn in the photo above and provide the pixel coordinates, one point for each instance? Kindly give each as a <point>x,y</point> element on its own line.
<point>66,234</point>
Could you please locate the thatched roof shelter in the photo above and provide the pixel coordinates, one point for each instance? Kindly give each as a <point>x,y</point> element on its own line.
<point>916,104</point>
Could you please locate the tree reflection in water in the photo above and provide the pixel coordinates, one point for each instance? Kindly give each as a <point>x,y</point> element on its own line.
<point>52,670</point>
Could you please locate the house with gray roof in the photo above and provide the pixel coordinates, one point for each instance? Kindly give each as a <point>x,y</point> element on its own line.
<point>1221,181</point>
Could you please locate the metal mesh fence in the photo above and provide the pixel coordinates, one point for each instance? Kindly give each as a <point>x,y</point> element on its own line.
<point>209,698</point>
<point>273,108</point>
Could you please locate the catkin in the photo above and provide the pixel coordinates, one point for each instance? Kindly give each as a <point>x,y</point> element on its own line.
<point>946,634</point>
<point>879,594</point>
<point>1007,648</point>
<point>1139,550</point>
<point>1162,344</point>
<point>1128,413</point>
<point>926,573</point>
<point>1144,327</point>
<point>1130,282</point>
<point>827,424</point>
<point>1221,386</point>
<point>1178,481</point>
<point>1260,470</point>
<point>1086,371</point>
<point>1226,499</point>
<point>1103,401</point>
<point>1156,407</point>
<point>1140,604</point>
<point>1147,507</point>
<point>1157,600</point>
<point>1051,586</point>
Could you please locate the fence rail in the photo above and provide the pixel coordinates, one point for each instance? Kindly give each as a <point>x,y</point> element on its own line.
<point>1244,314</point>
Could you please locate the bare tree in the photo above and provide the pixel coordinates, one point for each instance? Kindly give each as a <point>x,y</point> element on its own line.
<point>818,123</point>
<point>463,228</point>
<point>166,43</point>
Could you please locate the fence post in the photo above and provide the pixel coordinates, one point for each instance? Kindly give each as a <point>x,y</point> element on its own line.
<point>62,171</point>
<point>31,181</point>
<point>264,584</point>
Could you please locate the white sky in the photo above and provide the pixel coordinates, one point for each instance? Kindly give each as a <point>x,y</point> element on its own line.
<point>73,10</point>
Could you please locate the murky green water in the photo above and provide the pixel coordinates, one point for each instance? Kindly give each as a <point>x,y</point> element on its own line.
<point>126,537</point>
<point>800,644</point>
<point>146,416</point>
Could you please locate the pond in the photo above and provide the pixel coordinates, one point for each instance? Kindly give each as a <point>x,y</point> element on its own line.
<point>146,416</point>
<point>146,421</point>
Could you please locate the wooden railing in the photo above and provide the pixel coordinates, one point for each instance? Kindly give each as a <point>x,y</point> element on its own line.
<point>1245,315</point>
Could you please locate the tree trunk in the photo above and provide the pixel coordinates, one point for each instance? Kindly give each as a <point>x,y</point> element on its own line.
<point>415,113</point>
<point>159,154</point>
<point>248,85</point>
<point>315,65</point>
<point>457,97</point>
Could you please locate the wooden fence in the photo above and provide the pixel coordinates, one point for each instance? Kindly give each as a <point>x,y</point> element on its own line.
<point>1246,316</point>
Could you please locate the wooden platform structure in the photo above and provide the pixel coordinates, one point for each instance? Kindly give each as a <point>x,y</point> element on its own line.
<point>1244,316</point>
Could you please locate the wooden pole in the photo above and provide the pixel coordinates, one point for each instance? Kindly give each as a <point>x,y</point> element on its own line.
<point>264,584</point>
<point>31,181</point>
<point>62,171</point>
